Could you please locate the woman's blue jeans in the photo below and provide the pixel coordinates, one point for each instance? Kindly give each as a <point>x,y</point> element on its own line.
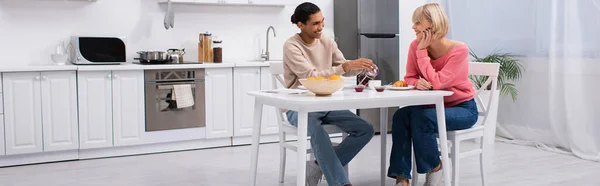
<point>418,125</point>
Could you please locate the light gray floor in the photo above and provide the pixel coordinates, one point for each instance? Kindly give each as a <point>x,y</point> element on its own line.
<point>513,165</point>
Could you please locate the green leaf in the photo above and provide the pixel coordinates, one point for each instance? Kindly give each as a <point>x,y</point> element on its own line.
<point>511,70</point>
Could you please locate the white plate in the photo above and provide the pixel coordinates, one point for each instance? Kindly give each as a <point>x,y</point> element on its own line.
<point>400,88</point>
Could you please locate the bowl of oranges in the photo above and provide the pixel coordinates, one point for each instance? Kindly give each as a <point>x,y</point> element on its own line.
<point>323,86</point>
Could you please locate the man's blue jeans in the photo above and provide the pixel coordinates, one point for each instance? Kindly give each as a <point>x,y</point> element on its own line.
<point>418,124</point>
<point>332,160</point>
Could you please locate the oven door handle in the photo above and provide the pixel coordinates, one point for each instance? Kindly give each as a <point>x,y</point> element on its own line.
<point>168,87</point>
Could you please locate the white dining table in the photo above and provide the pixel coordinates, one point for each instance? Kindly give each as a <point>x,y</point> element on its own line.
<point>344,99</point>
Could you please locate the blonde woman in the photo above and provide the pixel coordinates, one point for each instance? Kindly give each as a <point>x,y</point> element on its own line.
<point>434,63</point>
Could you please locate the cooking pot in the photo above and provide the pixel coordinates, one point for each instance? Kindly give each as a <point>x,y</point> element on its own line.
<point>152,57</point>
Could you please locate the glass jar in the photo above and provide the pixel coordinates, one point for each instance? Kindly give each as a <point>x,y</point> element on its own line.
<point>365,76</point>
<point>217,51</point>
<point>205,53</point>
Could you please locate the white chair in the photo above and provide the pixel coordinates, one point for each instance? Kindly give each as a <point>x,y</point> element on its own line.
<point>285,128</point>
<point>491,70</point>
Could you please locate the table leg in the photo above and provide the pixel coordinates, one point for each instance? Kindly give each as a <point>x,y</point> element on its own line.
<point>258,107</point>
<point>302,137</point>
<point>441,118</point>
<point>383,122</point>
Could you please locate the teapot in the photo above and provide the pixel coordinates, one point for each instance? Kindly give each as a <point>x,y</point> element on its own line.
<point>365,76</point>
<point>175,55</point>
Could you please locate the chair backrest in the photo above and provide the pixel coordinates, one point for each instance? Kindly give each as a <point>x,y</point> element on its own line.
<point>491,70</point>
<point>276,69</point>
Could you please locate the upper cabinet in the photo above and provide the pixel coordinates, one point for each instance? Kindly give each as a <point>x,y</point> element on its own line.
<point>276,2</point>
<point>263,3</point>
<point>234,1</point>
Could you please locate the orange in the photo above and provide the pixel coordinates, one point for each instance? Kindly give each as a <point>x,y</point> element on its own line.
<point>321,78</point>
<point>335,77</point>
<point>311,78</point>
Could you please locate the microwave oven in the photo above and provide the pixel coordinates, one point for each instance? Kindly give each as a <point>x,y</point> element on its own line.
<point>97,50</point>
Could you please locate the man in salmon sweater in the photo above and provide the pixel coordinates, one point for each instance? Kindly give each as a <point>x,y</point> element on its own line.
<point>434,63</point>
<point>305,55</point>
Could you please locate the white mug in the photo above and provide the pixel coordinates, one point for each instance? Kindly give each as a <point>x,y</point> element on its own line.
<point>374,83</point>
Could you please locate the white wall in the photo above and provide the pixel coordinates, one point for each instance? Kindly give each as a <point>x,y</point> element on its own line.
<point>30,29</point>
<point>407,35</point>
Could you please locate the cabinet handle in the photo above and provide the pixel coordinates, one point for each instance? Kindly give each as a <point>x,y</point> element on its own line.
<point>37,77</point>
<point>207,73</point>
<point>109,76</point>
<point>44,77</point>
<point>115,76</point>
<point>257,72</point>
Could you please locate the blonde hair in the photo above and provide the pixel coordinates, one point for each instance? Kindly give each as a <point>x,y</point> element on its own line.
<point>435,14</point>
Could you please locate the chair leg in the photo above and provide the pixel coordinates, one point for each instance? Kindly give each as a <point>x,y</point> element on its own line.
<point>347,173</point>
<point>344,135</point>
<point>481,163</point>
<point>415,175</point>
<point>455,162</point>
<point>282,158</point>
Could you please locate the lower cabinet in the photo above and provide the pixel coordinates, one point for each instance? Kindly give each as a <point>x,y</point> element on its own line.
<point>219,102</point>
<point>111,108</point>
<point>248,79</point>
<point>40,111</point>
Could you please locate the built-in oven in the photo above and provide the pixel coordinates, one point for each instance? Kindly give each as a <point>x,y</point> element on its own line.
<point>162,109</point>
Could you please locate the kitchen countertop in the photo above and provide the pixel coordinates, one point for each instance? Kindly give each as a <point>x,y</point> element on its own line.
<point>128,66</point>
<point>26,68</point>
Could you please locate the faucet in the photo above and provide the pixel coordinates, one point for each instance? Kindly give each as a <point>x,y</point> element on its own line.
<point>266,56</point>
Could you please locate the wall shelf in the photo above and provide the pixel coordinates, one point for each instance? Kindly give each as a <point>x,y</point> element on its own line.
<point>188,2</point>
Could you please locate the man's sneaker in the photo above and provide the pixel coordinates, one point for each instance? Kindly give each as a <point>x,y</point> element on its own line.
<point>313,173</point>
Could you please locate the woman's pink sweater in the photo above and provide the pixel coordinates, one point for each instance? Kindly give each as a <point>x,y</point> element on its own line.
<point>448,72</point>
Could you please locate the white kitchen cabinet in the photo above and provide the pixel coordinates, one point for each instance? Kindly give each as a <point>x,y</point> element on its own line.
<point>2,149</point>
<point>40,112</point>
<point>251,3</point>
<point>234,1</point>
<point>95,109</point>
<point>269,119</point>
<point>128,107</point>
<point>23,104</point>
<point>59,111</point>
<point>202,1</point>
<point>219,102</point>
<point>245,79</point>
<point>191,1</point>
<point>110,103</point>
<point>276,2</point>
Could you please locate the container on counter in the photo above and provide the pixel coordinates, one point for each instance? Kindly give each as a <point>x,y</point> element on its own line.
<point>205,50</point>
<point>218,51</point>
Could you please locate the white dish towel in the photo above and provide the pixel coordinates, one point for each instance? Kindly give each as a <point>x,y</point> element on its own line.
<point>182,94</point>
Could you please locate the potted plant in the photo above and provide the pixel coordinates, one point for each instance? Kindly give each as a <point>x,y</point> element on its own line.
<point>511,70</point>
